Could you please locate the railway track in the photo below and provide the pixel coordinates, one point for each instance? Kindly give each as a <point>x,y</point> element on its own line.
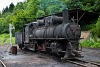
<point>2,64</point>
<point>84,63</point>
<point>78,62</point>
<point>81,63</point>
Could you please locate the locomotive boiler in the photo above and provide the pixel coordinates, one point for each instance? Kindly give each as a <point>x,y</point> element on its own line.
<point>54,34</point>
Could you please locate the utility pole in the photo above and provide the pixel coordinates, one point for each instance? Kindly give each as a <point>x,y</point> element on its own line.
<point>13,49</point>
<point>10,32</point>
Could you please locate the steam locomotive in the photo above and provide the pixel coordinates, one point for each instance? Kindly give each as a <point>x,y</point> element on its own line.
<point>54,34</point>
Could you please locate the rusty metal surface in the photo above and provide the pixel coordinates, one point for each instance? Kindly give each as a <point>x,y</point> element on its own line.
<point>14,49</point>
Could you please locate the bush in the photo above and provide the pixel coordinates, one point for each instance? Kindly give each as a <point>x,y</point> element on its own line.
<point>86,27</point>
<point>5,39</point>
<point>92,42</point>
<point>98,27</point>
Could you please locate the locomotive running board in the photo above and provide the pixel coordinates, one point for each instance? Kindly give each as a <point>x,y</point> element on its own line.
<point>48,38</point>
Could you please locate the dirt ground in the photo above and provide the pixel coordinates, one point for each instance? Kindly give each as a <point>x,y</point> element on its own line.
<point>31,59</point>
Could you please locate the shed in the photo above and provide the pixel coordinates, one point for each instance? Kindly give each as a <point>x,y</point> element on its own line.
<point>83,16</point>
<point>79,16</point>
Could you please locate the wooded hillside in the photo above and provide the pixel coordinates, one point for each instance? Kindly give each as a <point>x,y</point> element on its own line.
<point>26,12</point>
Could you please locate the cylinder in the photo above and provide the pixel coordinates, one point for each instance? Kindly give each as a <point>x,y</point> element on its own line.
<point>56,19</point>
<point>14,49</point>
<point>40,22</point>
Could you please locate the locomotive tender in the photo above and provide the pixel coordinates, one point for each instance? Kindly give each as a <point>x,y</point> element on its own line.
<point>56,35</point>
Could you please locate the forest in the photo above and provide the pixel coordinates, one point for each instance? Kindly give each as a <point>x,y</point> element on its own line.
<point>28,11</point>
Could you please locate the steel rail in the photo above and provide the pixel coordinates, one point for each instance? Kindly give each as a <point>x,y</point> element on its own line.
<point>90,62</point>
<point>2,63</point>
<point>76,63</point>
<point>84,63</point>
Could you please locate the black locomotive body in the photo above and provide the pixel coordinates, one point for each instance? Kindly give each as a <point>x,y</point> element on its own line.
<point>53,34</point>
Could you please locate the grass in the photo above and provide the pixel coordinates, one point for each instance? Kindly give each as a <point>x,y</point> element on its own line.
<point>5,39</point>
<point>92,42</point>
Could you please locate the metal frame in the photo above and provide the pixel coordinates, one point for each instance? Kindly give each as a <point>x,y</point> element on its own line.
<point>79,18</point>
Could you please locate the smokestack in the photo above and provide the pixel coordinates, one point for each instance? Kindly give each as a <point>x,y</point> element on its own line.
<point>65,16</point>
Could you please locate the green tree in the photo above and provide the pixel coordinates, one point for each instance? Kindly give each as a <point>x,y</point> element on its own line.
<point>32,9</point>
<point>5,10</point>
<point>98,27</point>
<point>74,4</point>
<point>17,19</point>
<point>40,13</point>
<point>11,7</point>
<point>20,5</point>
<point>4,26</point>
<point>97,6</point>
<point>51,6</point>
<point>88,7</point>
